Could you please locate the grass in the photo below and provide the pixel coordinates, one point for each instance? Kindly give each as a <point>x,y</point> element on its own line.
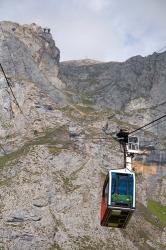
<point>81,98</point>
<point>54,150</point>
<point>92,82</point>
<point>51,137</point>
<point>5,182</point>
<point>77,108</point>
<point>80,109</point>
<point>85,108</point>
<point>124,124</point>
<point>13,156</point>
<point>88,113</point>
<point>87,101</point>
<point>73,175</point>
<point>71,112</point>
<point>13,225</point>
<point>5,124</point>
<point>149,216</point>
<point>67,182</point>
<point>144,236</point>
<point>158,210</point>
<point>56,246</point>
<point>87,243</point>
<point>58,223</point>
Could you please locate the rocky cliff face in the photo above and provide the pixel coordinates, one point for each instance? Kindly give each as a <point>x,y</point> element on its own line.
<point>51,183</point>
<point>30,59</point>
<point>141,80</point>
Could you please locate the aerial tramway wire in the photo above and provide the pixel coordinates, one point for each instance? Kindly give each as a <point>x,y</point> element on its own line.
<point>2,148</point>
<point>9,85</point>
<point>106,138</point>
<point>157,124</point>
<point>7,80</point>
<point>161,49</point>
<point>146,125</point>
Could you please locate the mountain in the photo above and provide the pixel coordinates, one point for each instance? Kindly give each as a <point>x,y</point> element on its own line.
<point>51,181</point>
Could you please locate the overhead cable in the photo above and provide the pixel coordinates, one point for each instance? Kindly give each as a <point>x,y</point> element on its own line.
<point>3,148</point>
<point>160,50</point>
<point>90,138</point>
<point>148,124</point>
<point>9,85</point>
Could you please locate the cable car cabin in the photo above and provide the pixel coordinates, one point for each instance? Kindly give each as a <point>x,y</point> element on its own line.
<point>118,198</point>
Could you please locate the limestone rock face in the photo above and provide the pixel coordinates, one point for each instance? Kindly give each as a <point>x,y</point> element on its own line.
<point>136,78</point>
<point>56,158</point>
<point>28,49</point>
<point>136,87</point>
<point>30,60</point>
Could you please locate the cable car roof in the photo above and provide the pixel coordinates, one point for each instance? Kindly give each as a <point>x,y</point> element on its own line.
<point>122,171</point>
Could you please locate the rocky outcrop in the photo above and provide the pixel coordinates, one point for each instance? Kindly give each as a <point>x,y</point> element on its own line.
<point>30,60</point>
<point>141,80</point>
<point>27,51</point>
<point>51,180</point>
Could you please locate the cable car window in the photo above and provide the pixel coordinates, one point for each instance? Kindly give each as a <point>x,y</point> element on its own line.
<point>122,189</point>
<point>123,184</point>
<point>133,139</point>
<point>131,185</point>
<point>113,190</point>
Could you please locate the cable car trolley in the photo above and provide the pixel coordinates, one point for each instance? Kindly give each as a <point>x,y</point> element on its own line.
<point>118,196</point>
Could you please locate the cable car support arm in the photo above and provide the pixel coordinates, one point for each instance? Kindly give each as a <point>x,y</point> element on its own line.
<point>130,147</point>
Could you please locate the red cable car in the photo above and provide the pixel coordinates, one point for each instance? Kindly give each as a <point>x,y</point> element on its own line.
<point>118,198</point>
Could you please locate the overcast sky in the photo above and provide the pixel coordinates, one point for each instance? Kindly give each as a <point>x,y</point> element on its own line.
<point>106,30</point>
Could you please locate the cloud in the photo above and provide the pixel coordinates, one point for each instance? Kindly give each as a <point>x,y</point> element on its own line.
<point>98,5</point>
<point>93,5</point>
<point>99,29</point>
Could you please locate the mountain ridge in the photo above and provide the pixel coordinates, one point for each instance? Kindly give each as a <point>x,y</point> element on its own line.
<point>51,183</point>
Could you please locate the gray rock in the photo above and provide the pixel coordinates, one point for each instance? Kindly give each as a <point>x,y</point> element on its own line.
<point>22,216</point>
<point>51,183</point>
